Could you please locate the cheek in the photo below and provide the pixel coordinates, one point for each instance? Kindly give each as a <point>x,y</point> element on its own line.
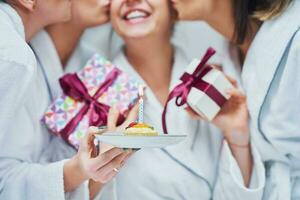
<point>114,17</point>
<point>116,23</point>
<point>115,9</point>
<point>192,9</point>
<point>163,19</point>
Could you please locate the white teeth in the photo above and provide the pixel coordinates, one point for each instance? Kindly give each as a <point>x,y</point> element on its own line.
<point>135,14</point>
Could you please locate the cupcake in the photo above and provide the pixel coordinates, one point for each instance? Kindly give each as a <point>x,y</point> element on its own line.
<point>140,129</point>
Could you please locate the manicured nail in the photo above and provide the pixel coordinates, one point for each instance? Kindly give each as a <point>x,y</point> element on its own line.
<point>102,127</point>
<point>135,150</point>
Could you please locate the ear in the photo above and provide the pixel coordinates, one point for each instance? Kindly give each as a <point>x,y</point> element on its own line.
<point>28,4</point>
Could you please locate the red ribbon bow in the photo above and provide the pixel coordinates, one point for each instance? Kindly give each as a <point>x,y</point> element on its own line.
<point>181,91</point>
<point>73,87</point>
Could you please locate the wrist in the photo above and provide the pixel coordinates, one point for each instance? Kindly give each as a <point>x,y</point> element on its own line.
<point>238,137</point>
<point>73,167</point>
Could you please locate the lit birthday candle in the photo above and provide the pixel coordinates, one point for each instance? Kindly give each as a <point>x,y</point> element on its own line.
<point>141,104</point>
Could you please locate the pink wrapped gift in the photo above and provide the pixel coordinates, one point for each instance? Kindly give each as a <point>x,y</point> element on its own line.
<point>202,88</point>
<point>88,95</point>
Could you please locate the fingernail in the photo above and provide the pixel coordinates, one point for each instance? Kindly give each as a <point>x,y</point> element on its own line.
<point>135,150</point>
<point>127,150</point>
<point>102,127</point>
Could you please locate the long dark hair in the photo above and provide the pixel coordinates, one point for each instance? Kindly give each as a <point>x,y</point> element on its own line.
<point>259,10</point>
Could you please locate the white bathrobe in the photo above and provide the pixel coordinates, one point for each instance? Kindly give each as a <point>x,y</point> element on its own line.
<point>31,159</point>
<point>201,167</point>
<point>270,77</point>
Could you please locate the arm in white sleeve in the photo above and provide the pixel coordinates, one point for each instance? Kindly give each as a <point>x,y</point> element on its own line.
<point>28,181</point>
<point>15,79</point>
<point>230,183</point>
<point>22,176</point>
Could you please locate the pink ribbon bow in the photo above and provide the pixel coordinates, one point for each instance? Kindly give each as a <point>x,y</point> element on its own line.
<point>73,87</point>
<point>181,91</point>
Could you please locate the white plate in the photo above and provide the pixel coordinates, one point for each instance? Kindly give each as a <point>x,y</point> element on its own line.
<point>136,142</point>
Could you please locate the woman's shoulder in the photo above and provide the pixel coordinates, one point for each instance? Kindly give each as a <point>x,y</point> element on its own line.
<point>13,47</point>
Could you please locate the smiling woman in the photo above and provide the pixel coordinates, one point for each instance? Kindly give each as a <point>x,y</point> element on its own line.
<point>198,167</point>
<point>137,20</point>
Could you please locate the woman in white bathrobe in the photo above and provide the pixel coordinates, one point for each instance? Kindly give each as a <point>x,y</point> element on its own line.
<point>204,166</point>
<point>32,162</point>
<point>266,57</point>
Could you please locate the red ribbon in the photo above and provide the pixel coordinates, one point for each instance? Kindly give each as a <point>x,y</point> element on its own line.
<point>73,87</point>
<point>181,91</point>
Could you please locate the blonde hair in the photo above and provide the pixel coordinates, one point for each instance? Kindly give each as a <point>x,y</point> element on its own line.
<point>271,9</point>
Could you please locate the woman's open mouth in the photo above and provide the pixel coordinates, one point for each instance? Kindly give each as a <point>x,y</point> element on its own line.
<point>136,16</point>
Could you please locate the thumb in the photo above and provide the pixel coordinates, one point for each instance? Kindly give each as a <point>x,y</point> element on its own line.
<point>87,142</point>
<point>131,117</point>
<point>112,118</point>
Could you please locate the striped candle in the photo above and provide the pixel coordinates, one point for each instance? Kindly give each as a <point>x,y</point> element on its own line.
<point>141,104</point>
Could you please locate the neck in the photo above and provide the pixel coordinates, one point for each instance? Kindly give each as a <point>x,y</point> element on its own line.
<point>152,57</point>
<point>31,27</point>
<point>222,20</point>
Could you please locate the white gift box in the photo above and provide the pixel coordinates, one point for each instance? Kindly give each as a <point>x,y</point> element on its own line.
<point>200,102</point>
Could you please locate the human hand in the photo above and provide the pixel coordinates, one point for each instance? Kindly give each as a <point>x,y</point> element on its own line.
<point>233,117</point>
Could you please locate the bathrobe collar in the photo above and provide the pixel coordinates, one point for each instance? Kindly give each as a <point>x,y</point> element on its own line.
<point>266,53</point>
<point>187,153</point>
<point>48,60</point>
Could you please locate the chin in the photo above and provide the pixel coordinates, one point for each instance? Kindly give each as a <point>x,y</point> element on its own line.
<point>136,35</point>
<point>139,33</point>
<point>68,16</point>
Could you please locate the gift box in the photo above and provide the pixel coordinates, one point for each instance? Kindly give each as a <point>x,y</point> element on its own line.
<point>202,88</point>
<point>87,97</point>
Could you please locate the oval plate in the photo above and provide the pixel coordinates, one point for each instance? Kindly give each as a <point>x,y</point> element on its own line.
<point>137,142</point>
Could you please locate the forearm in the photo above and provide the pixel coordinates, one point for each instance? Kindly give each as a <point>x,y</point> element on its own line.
<point>73,177</point>
<point>230,182</point>
<point>65,37</point>
<point>244,160</point>
<point>239,144</point>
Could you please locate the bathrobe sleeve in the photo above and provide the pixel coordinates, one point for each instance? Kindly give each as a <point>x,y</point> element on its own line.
<point>279,117</point>
<point>230,184</point>
<point>26,173</point>
<point>12,89</point>
<point>23,181</point>
<point>20,179</point>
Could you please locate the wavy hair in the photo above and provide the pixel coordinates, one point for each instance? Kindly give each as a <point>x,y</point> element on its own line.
<point>260,10</point>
